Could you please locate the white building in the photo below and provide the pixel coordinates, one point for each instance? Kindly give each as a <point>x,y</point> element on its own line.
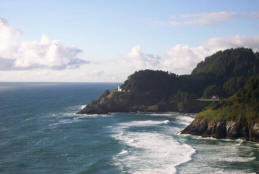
<point>215,98</point>
<point>119,89</point>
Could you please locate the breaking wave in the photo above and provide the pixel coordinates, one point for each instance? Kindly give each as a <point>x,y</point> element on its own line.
<point>149,152</point>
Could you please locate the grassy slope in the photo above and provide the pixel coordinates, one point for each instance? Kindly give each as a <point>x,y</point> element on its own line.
<point>243,106</point>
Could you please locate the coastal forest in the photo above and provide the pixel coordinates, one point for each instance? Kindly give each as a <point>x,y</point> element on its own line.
<point>221,74</point>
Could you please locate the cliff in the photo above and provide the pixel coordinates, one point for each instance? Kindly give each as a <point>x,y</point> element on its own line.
<point>146,91</point>
<point>222,74</point>
<point>235,117</point>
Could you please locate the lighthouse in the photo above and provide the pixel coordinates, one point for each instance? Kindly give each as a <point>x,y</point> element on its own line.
<point>119,89</point>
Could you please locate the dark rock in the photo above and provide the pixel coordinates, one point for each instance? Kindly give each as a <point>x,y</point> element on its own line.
<point>220,131</point>
<point>254,131</point>
<point>224,129</point>
<point>97,107</point>
<point>232,129</point>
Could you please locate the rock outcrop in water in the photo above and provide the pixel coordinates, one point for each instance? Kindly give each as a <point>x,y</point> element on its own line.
<point>223,74</point>
<point>97,107</point>
<point>235,117</point>
<point>106,103</point>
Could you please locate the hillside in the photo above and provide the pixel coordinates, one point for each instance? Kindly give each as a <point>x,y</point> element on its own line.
<point>222,74</point>
<point>229,70</point>
<point>235,117</point>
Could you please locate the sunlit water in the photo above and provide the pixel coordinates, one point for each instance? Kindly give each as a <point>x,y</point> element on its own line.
<point>41,134</point>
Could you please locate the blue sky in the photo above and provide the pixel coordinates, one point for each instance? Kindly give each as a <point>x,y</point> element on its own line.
<point>109,30</point>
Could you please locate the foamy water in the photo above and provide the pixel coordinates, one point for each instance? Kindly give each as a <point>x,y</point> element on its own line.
<point>154,145</point>
<point>41,133</point>
<point>149,152</point>
<point>218,156</point>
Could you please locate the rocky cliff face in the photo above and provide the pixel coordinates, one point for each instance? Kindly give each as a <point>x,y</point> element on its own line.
<point>235,117</point>
<point>103,105</point>
<point>224,129</point>
<point>96,107</point>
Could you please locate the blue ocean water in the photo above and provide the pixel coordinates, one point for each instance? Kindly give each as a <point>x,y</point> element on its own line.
<point>41,134</point>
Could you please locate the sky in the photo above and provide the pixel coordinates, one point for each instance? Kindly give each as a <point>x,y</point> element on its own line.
<point>107,40</point>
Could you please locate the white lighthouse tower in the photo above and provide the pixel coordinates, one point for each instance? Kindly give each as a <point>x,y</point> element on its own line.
<point>119,89</point>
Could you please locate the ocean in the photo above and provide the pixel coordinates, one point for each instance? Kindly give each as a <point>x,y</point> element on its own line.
<point>41,134</point>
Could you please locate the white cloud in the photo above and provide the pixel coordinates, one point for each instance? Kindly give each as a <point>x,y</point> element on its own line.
<point>8,36</point>
<point>95,72</point>
<point>208,18</point>
<point>46,53</point>
<point>254,15</point>
<point>140,60</point>
<point>178,59</point>
<point>202,18</point>
<point>221,43</point>
<point>181,59</point>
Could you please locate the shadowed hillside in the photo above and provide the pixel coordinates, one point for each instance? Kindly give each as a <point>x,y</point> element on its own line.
<point>221,74</point>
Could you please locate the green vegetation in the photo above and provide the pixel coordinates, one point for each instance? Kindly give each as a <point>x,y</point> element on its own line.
<point>222,74</point>
<point>229,63</point>
<point>242,107</point>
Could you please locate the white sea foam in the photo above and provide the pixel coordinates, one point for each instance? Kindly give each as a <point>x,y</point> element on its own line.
<point>72,117</point>
<point>82,106</point>
<point>186,120</point>
<point>231,172</point>
<point>70,112</point>
<point>63,114</point>
<point>69,116</point>
<point>239,141</point>
<point>166,121</point>
<point>142,123</point>
<point>64,121</point>
<point>238,159</point>
<point>223,152</point>
<point>182,120</point>
<point>165,114</point>
<point>149,152</point>
<point>123,152</point>
<point>209,170</point>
